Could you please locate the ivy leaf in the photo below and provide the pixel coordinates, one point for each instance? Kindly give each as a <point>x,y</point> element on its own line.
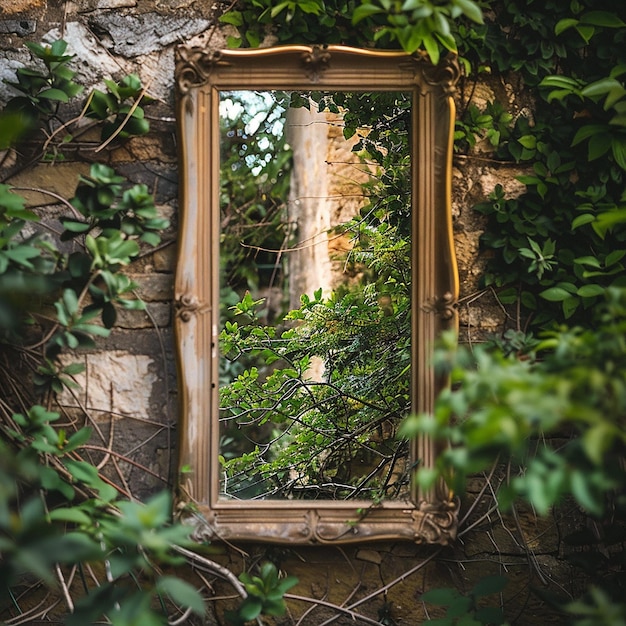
<point>54,94</point>
<point>489,585</point>
<point>606,19</point>
<point>555,294</point>
<point>471,10</point>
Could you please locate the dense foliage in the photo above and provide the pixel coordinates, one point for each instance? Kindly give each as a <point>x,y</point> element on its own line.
<point>59,515</point>
<point>557,258</point>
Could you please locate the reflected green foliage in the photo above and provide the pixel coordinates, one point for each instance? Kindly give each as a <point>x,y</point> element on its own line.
<point>322,433</point>
<point>287,433</point>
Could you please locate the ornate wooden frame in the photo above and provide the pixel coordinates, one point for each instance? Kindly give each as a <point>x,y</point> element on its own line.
<point>201,74</point>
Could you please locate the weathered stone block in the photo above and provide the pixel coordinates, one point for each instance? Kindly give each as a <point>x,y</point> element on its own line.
<point>18,27</point>
<point>113,384</point>
<point>134,35</point>
<point>157,315</point>
<point>56,178</point>
<point>152,287</point>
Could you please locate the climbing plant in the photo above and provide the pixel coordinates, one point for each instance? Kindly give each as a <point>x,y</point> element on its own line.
<point>557,247</point>
<point>66,524</point>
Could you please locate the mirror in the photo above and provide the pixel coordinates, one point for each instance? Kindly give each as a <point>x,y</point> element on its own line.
<point>315,375</point>
<point>315,271</point>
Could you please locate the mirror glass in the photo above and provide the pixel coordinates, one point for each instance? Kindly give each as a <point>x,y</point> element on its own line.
<point>315,294</point>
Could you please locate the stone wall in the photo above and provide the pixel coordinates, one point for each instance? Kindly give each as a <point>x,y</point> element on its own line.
<point>130,384</point>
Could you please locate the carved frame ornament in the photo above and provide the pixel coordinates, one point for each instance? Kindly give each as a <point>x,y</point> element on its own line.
<point>201,74</point>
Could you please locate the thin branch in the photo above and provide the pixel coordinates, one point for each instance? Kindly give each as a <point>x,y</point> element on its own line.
<point>217,569</point>
<point>335,607</point>
<point>56,196</point>
<point>64,588</point>
<point>119,129</point>
<point>388,586</point>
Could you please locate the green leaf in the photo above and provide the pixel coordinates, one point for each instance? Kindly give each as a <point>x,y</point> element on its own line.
<point>79,438</point>
<point>591,291</point>
<point>232,17</point>
<point>82,471</point>
<point>528,141</point>
<point>364,11</point>
<point>51,481</point>
<point>73,515</point>
<point>555,294</point>
<point>471,10</point>
<point>70,300</point>
<point>585,493</point>
<point>443,596</point>
<point>618,147</point>
<point>74,226</point>
<point>607,19</point>
<point>250,609</point>
<point>597,440</point>
<point>54,94</point>
<point>561,82</point>
<point>583,219</point>
<point>489,585</point>
<point>600,87</point>
<point>569,306</point>
<point>617,255</point>
<point>587,131</point>
<point>432,48</point>
<point>599,145</point>
<point>490,615</point>
<point>564,24</point>
<point>585,31</point>
<point>181,592</point>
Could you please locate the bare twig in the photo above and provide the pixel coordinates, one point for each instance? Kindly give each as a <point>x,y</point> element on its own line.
<point>64,588</point>
<point>219,570</point>
<point>388,586</point>
<point>347,611</point>
<point>119,129</point>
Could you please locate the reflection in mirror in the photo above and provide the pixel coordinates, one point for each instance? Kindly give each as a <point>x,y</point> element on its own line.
<point>315,295</point>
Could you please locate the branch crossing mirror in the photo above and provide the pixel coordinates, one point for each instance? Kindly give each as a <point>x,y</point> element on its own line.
<point>315,271</point>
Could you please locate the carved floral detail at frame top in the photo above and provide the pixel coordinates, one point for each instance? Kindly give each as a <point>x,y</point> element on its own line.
<point>194,64</point>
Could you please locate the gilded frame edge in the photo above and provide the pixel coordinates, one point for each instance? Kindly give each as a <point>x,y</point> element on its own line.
<point>430,518</point>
